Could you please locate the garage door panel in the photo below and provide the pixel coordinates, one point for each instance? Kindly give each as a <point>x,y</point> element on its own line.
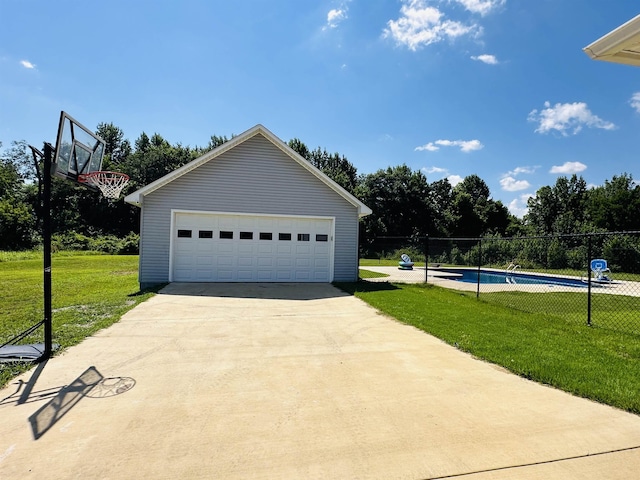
<point>245,261</point>
<point>302,276</point>
<point>320,263</point>
<point>303,262</point>
<point>284,248</point>
<point>265,248</point>
<point>244,249</point>
<point>245,276</point>
<point>284,276</point>
<point>284,262</point>
<point>228,248</point>
<point>265,276</point>
<point>224,262</point>
<point>225,247</point>
<point>265,262</point>
<point>204,261</point>
<point>224,276</point>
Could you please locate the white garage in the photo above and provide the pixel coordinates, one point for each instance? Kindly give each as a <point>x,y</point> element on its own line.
<point>224,247</point>
<point>250,210</point>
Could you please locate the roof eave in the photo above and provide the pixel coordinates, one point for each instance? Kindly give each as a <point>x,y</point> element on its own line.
<point>621,45</point>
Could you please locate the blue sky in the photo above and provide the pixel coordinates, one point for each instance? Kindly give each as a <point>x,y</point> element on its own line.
<point>497,88</point>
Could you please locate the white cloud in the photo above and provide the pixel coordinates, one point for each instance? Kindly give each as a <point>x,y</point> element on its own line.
<point>27,64</point>
<point>481,6</point>
<point>488,59</point>
<point>465,145</point>
<point>420,25</point>
<point>635,101</point>
<point>518,206</point>
<point>454,179</point>
<point>519,170</point>
<point>335,16</point>
<point>510,184</point>
<point>429,147</point>
<point>564,117</point>
<point>568,168</point>
<point>434,170</point>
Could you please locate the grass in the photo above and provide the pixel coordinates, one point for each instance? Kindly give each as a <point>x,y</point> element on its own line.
<point>383,262</point>
<point>363,273</point>
<point>615,312</point>
<point>594,363</point>
<point>89,293</point>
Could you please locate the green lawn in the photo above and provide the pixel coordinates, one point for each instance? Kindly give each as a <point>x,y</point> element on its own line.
<point>375,262</point>
<point>591,362</point>
<point>89,292</point>
<point>363,273</point>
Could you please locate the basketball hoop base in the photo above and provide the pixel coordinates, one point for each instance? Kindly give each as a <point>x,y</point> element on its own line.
<point>109,183</point>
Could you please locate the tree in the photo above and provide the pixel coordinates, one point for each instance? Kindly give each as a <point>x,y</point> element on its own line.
<point>440,198</point>
<point>117,148</point>
<point>474,212</point>
<point>16,225</point>
<point>215,141</point>
<point>153,158</point>
<point>297,145</point>
<point>615,205</point>
<point>560,209</point>
<point>399,199</point>
<point>334,166</point>
<point>16,219</point>
<point>10,178</point>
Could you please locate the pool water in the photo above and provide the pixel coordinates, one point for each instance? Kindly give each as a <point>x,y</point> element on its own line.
<point>471,276</point>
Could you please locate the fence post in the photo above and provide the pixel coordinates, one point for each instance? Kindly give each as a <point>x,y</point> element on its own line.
<point>589,253</point>
<point>479,265</point>
<point>426,260</point>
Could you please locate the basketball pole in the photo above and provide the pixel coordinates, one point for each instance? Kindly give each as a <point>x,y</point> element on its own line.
<point>46,240</point>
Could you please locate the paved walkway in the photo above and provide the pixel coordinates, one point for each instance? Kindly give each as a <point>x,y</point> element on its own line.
<point>446,279</point>
<point>283,381</point>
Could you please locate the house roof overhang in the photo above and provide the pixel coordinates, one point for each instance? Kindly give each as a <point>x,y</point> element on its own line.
<point>137,197</point>
<point>621,45</point>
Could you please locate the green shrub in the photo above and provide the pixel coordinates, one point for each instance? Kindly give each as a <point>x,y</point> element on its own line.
<point>557,254</point>
<point>416,254</point>
<point>577,258</point>
<point>16,225</point>
<point>129,245</point>
<point>622,252</point>
<point>105,243</point>
<point>70,241</point>
<point>73,241</point>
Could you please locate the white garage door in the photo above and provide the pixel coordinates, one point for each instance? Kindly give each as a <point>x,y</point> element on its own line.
<point>251,248</point>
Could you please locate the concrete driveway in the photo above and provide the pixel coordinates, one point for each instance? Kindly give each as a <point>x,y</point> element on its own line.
<point>294,381</point>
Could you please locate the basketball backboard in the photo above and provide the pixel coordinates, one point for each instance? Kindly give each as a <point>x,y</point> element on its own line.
<point>78,150</point>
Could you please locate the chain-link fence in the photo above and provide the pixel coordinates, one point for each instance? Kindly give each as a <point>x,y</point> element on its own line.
<point>592,278</point>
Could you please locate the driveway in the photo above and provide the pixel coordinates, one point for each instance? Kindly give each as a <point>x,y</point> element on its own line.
<point>294,381</point>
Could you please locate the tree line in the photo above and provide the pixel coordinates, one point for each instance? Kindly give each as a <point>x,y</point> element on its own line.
<point>403,201</point>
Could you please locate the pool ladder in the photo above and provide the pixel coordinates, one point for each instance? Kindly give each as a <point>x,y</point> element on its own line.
<point>512,268</point>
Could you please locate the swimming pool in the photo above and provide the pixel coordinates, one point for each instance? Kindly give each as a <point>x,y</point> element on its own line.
<point>493,277</point>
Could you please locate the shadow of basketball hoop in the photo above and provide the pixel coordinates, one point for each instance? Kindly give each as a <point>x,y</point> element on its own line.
<point>91,384</point>
<point>110,387</point>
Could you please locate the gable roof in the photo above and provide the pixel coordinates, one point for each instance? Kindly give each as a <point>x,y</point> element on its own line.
<point>621,45</point>
<point>136,197</point>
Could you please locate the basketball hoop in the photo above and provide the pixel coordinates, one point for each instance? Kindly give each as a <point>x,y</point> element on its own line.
<point>109,183</point>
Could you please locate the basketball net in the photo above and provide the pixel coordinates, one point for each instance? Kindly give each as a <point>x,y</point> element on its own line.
<point>109,183</point>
